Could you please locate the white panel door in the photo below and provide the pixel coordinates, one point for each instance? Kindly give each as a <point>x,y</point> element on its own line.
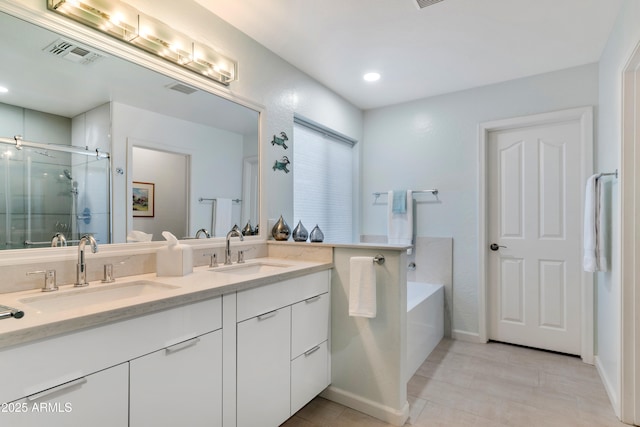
<point>535,215</point>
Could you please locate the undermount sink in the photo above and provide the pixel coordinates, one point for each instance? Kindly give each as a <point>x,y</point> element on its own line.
<point>250,268</point>
<point>93,294</point>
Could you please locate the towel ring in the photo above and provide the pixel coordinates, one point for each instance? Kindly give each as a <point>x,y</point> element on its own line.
<point>379,259</point>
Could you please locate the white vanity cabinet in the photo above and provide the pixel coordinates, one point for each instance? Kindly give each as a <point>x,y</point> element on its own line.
<point>282,351</point>
<point>89,369</point>
<point>179,365</point>
<point>100,399</point>
<point>178,385</point>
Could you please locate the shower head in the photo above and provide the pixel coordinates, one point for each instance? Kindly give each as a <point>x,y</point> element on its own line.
<point>67,173</point>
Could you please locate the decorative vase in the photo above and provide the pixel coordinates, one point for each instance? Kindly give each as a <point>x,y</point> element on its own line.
<point>248,230</point>
<point>300,234</point>
<point>281,230</point>
<point>316,234</point>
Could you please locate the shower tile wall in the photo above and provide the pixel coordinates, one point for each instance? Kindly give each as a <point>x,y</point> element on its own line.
<point>92,129</point>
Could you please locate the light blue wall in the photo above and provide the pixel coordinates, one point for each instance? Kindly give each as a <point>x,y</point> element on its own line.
<point>624,38</point>
<point>434,142</point>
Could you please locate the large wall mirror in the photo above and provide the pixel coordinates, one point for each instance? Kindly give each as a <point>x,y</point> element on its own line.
<point>172,145</point>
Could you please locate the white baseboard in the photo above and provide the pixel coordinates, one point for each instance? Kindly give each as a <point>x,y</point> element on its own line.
<point>473,337</point>
<point>366,406</point>
<point>611,391</point>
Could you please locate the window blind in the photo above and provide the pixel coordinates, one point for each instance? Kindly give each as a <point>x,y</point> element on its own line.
<point>322,182</point>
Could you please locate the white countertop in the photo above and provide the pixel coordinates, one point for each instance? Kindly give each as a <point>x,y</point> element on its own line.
<point>202,284</point>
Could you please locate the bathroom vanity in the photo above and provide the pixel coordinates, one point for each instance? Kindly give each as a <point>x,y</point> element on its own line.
<point>241,346</point>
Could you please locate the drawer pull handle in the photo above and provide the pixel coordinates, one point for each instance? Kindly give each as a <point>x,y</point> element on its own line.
<point>265,316</point>
<point>61,387</point>
<point>182,345</point>
<point>310,352</point>
<point>312,299</point>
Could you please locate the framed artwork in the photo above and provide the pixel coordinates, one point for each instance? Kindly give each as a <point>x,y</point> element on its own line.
<point>143,199</point>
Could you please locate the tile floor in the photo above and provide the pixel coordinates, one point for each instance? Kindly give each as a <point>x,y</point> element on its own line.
<point>497,385</point>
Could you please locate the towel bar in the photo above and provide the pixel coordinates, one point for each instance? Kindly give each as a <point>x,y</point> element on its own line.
<point>379,259</point>
<point>433,191</point>
<point>610,173</point>
<point>202,199</point>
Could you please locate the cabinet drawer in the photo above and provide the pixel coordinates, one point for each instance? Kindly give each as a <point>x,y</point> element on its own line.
<point>309,376</point>
<point>100,400</point>
<point>185,380</point>
<point>309,323</point>
<point>256,301</point>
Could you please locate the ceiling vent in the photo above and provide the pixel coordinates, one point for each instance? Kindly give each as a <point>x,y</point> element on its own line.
<point>424,3</point>
<point>72,52</point>
<point>179,87</point>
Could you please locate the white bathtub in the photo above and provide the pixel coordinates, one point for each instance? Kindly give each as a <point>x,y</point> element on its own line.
<point>425,322</point>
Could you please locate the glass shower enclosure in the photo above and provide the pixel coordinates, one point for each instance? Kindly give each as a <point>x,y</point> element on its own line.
<point>46,189</point>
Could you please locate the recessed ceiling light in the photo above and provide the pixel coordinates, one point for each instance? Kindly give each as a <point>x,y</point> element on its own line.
<point>372,77</point>
<point>3,89</point>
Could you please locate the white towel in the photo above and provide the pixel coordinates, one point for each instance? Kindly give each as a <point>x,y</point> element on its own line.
<point>221,217</point>
<point>138,236</point>
<point>594,228</point>
<point>362,287</point>
<point>400,225</point>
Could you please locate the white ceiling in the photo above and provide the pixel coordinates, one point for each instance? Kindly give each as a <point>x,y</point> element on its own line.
<point>449,46</point>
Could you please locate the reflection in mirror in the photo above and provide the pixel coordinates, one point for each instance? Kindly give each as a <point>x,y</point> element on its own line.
<point>170,193</point>
<point>47,196</point>
<point>95,100</point>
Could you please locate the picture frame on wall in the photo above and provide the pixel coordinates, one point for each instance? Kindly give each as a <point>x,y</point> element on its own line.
<point>143,199</point>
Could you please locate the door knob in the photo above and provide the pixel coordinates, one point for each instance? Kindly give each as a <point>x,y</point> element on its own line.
<point>495,246</point>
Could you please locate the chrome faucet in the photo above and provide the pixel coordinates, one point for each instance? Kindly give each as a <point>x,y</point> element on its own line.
<point>235,232</point>
<point>81,270</point>
<point>202,231</point>
<point>58,240</point>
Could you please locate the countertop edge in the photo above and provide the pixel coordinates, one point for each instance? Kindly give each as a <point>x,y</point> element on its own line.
<point>76,323</point>
<point>380,246</point>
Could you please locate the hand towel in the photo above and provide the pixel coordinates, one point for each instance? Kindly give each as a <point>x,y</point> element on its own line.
<point>594,243</point>
<point>221,217</point>
<point>400,225</point>
<point>362,287</point>
<point>399,202</point>
<point>601,228</point>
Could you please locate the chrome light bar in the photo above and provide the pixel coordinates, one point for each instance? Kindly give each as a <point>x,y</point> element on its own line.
<point>128,24</point>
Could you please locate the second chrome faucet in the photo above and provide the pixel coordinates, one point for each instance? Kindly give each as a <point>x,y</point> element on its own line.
<point>81,269</point>
<point>234,232</point>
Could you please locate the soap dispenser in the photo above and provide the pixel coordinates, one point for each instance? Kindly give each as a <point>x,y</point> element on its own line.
<point>174,259</point>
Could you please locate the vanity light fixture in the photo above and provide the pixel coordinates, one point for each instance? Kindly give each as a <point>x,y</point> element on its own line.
<point>128,24</point>
<point>371,77</point>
